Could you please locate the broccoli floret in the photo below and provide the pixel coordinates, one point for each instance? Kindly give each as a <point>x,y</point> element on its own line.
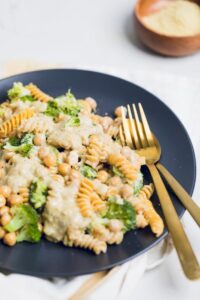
<point>138,184</point>
<point>29,233</point>
<point>71,107</point>
<point>52,109</point>
<point>117,172</point>
<point>73,122</point>
<point>38,193</point>
<point>122,210</point>
<point>17,92</point>
<point>64,104</point>
<point>22,215</point>
<point>25,222</point>
<point>88,172</point>
<point>68,104</point>
<point>27,98</point>
<point>22,145</point>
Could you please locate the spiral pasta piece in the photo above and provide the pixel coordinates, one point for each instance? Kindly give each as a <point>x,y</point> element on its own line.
<point>123,165</point>
<point>83,198</point>
<point>37,94</point>
<point>150,214</point>
<point>97,203</point>
<point>15,121</point>
<point>116,238</point>
<point>100,232</point>
<point>24,193</point>
<point>95,152</point>
<point>82,240</point>
<point>36,124</point>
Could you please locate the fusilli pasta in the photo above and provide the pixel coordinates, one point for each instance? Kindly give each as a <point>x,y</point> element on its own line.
<point>83,198</point>
<point>97,203</point>
<point>24,193</point>
<point>124,166</point>
<point>15,121</point>
<point>37,93</point>
<point>79,239</point>
<point>151,216</point>
<point>95,152</point>
<point>36,124</point>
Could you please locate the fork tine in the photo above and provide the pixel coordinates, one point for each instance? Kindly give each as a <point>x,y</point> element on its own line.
<point>139,128</point>
<point>121,135</point>
<point>126,129</point>
<point>146,127</point>
<point>133,128</point>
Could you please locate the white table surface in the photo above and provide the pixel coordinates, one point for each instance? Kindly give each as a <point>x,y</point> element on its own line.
<point>88,32</point>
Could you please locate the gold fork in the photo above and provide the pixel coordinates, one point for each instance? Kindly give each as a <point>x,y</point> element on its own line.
<point>138,135</point>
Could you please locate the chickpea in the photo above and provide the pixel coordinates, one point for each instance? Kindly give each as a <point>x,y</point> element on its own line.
<point>62,156</point>
<point>4,210</point>
<point>115,181</point>
<point>118,112</point>
<point>73,158</point>
<point>86,107</point>
<point>96,119</point>
<point>8,155</point>
<point>5,219</point>
<point>15,199</point>
<point>49,160</point>
<point>74,175</point>
<point>2,233</point>
<point>58,178</point>
<point>43,151</point>
<point>39,139</point>
<point>106,122</point>
<point>112,190</point>
<point>5,190</point>
<point>92,102</point>
<point>103,176</point>
<point>10,238</point>
<point>64,169</point>
<point>60,117</point>
<point>115,225</point>
<point>141,222</point>
<point>126,191</point>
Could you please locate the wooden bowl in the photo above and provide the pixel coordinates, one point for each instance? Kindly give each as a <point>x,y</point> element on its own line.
<point>163,44</point>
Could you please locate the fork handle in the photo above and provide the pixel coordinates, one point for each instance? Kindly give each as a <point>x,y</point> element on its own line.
<point>184,250</point>
<point>181,193</point>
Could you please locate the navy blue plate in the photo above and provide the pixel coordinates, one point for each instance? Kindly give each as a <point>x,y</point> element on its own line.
<point>48,259</point>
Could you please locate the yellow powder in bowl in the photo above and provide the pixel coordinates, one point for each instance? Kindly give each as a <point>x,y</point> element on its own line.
<point>176,18</point>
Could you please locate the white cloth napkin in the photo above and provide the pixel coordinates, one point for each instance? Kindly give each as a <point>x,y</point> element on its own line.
<point>181,94</point>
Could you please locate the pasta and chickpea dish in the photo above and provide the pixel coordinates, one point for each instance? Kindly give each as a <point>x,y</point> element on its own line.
<point>64,173</point>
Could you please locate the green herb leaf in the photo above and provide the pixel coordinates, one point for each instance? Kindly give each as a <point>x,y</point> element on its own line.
<point>88,172</point>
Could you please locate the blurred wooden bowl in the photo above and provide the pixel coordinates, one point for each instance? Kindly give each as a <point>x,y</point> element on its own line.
<point>163,44</point>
